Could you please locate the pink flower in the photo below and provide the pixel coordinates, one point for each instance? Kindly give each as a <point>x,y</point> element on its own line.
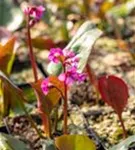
<point>70,63</point>
<point>35,13</point>
<point>39,12</point>
<point>71,76</point>
<point>68,54</point>
<point>81,77</point>
<point>55,55</point>
<point>65,56</point>
<point>45,86</point>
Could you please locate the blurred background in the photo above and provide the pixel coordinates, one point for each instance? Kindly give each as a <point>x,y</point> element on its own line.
<point>113,53</point>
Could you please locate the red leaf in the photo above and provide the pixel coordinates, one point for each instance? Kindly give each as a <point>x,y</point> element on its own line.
<point>52,98</point>
<point>114,92</point>
<point>47,102</point>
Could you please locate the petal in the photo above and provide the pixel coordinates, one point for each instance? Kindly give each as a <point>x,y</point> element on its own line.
<point>26,11</point>
<point>55,54</point>
<point>41,8</point>
<point>45,86</point>
<point>69,81</point>
<point>45,91</point>
<point>62,77</point>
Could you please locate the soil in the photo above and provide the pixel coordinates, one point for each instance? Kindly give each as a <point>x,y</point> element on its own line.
<point>20,127</point>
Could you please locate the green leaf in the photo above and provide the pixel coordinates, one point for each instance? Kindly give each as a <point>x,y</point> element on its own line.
<point>122,10</point>
<point>125,144</point>
<point>29,94</point>
<point>12,97</point>
<point>8,142</point>
<point>11,15</point>
<point>81,44</point>
<point>74,142</point>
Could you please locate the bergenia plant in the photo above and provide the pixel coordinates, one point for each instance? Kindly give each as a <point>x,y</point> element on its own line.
<point>33,15</point>
<point>70,74</point>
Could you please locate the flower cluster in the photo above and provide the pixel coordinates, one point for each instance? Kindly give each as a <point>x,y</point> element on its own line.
<point>69,61</point>
<point>35,14</point>
<point>66,57</point>
<point>71,75</point>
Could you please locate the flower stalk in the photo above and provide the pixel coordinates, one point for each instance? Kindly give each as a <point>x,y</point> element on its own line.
<point>65,107</point>
<point>123,127</point>
<point>31,54</point>
<point>33,15</point>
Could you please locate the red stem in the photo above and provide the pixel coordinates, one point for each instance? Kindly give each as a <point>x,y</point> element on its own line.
<point>92,76</point>
<point>65,105</point>
<point>46,124</point>
<point>44,117</point>
<point>31,54</point>
<point>65,111</point>
<point>123,127</point>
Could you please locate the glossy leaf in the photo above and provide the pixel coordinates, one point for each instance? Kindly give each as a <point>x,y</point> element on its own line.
<point>7,55</point>
<point>47,103</point>
<point>8,142</point>
<point>81,44</point>
<point>74,142</point>
<point>114,92</point>
<point>11,16</point>
<point>125,144</point>
<point>12,96</point>
<point>50,100</point>
<point>43,43</point>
